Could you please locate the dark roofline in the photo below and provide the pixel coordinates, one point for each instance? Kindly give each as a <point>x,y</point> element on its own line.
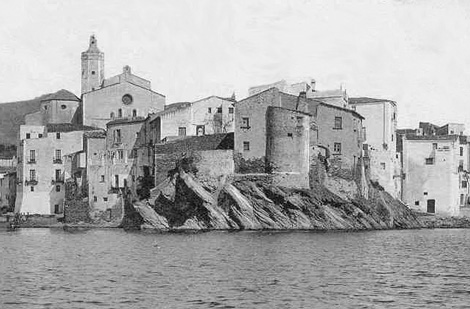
<point>367,100</point>
<point>68,127</point>
<point>343,109</point>
<point>257,94</point>
<point>126,82</point>
<point>126,120</point>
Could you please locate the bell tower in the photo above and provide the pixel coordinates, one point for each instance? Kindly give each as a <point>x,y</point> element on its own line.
<point>92,67</point>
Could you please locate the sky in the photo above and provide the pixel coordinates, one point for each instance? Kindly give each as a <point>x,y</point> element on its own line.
<point>416,53</point>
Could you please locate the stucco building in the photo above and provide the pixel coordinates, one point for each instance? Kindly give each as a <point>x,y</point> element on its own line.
<point>43,166</point>
<point>7,188</point>
<point>380,125</point>
<point>435,173</point>
<point>120,96</point>
<point>210,115</point>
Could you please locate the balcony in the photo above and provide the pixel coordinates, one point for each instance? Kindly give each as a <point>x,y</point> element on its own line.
<point>57,180</point>
<point>31,161</point>
<point>57,161</point>
<point>31,182</point>
<point>114,190</point>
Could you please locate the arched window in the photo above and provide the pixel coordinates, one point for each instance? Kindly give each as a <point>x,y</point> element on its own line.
<point>111,115</point>
<point>120,113</point>
<point>134,113</point>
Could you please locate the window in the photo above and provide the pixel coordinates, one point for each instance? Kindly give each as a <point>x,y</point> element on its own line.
<point>182,131</point>
<point>120,113</point>
<point>338,123</point>
<point>462,199</point>
<point>299,121</point>
<point>63,106</point>
<point>461,151</point>
<point>120,154</point>
<point>32,156</point>
<point>57,188</point>
<point>58,154</point>
<point>56,209</point>
<point>93,72</point>
<point>116,181</point>
<point>425,193</point>
<point>134,113</point>
<point>434,145</point>
<point>111,115</point>
<point>382,165</point>
<point>28,135</point>
<point>245,123</point>
<point>57,174</point>
<point>230,110</point>
<point>429,161</point>
<point>464,184</point>
<point>337,148</point>
<point>105,199</point>
<point>32,189</point>
<point>289,134</point>
<point>417,203</point>
<point>102,178</point>
<point>200,130</point>
<point>219,110</point>
<point>209,110</point>
<point>117,136</point>
<point>57,135</point>
<point>39,135</point>
<point>460,165</point>
<point>392,137</point>
<point>95,199</point>
<point>246,146</point>
<point>32,175</point>
<point>45,107</point>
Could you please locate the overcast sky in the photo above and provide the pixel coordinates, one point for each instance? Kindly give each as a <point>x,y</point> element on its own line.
<point>414,52</point>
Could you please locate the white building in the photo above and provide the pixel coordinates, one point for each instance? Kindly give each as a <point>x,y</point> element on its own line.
<point>435,177</point>
<point>380,126</point>
<point>206,116</point>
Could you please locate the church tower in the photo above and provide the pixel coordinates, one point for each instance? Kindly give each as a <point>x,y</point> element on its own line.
<point>92,67</point>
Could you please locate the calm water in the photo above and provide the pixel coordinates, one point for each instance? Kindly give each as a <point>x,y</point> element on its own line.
<point>51,268</point>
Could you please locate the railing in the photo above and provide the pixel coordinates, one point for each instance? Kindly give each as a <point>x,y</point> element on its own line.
<point>31,182</point>
<point>31,161</point>
<point>57,161</point>
<point>114,190</point>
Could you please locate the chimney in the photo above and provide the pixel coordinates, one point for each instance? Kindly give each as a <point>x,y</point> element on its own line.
<point>301,101</point>
<point>313,84</point>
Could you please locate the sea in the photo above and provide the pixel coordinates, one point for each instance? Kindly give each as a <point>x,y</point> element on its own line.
<point>113,268</point>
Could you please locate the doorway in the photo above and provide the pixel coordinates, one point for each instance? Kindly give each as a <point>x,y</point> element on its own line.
<point>431,206</point>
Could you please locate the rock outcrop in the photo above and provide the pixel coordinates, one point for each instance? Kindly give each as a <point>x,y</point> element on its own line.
<point>182,203</point>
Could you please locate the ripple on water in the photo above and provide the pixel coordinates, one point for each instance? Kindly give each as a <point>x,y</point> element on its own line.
<point>44,268</point>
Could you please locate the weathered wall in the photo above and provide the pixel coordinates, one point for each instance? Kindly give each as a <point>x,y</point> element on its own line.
<point>287,146</point>
<point>99,104</point>
<point>438,181</point>
<point>59,111</point>
<point>350,135</point>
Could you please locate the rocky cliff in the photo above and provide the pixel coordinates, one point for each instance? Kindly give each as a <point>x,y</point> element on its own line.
<point>183,203</point>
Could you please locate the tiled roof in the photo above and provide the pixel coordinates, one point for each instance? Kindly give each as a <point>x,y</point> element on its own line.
<point>366,100</point>
<point>222,141</point>
<point>343,109</point>
<point>177,106</point>
<point>126,120</point>
<point>68,127</point>
<point>95,134</point>
<point>63,95</point>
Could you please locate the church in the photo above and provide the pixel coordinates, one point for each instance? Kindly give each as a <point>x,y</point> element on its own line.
<point>121,96</point>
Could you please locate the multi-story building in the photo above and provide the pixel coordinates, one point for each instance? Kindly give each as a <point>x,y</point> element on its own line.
<point>380,139</point>
<point>435,173</point>
<point>120,96</point>
<point>42,165</point>
<point>210,115</point>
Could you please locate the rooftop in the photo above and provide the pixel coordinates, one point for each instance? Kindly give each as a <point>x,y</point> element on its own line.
<point>63,95</point>
<point>413,137</point>
<point>366,100</point>
<point>126,120</point>
<point>68,127</point>
<point>95,134</point>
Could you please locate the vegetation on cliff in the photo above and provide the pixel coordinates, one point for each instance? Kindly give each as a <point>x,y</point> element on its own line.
<point>183,203</point>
